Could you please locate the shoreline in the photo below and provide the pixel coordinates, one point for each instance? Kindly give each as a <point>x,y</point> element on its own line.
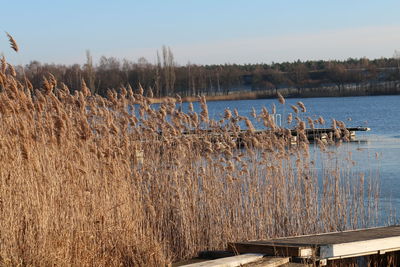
<point>377,89</point>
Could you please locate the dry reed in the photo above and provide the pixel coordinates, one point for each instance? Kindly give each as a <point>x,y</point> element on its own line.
<point>93,181</point>
<point>13,43</point>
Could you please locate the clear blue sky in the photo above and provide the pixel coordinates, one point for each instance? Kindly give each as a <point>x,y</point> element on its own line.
<point>201,31</point>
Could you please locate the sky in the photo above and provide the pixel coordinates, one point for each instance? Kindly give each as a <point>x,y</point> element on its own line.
<point>200,31</point>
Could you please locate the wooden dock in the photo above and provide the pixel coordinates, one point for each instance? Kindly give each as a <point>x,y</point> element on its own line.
<point>311,134</point>
<point>327,247</point>
<point>323,133</point>
<point>242,260</point>
<point>376,246</point>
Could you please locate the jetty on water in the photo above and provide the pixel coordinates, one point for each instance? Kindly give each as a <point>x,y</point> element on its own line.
<point>323,133</point>
<point>374,245</point>
<point>311,134</point>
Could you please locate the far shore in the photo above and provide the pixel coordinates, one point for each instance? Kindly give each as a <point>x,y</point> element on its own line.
<point>368,89</point>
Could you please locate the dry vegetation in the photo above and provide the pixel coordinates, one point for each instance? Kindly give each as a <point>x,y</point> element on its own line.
<point>93,181</point>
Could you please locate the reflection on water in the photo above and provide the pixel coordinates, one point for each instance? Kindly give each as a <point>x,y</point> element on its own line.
<point>376,152</point>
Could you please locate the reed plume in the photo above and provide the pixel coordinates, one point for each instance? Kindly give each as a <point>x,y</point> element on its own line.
<point>302,106</point>
<point>295,109</point>
<point>281,99</point>
<point>13,43</point>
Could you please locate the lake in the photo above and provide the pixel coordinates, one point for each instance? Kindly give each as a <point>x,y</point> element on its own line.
<point>377,153</point>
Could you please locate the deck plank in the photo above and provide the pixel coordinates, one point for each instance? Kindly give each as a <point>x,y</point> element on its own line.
<point>229,261</point>
<point>271,249</point>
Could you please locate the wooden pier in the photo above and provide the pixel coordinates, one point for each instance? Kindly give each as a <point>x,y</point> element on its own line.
<point>373,247</point>
<point>311,134</point>
<point>322,248</point>
<point>324,134</point>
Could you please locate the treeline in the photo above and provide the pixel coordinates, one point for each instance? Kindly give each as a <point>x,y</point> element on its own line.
<point>166,78</point>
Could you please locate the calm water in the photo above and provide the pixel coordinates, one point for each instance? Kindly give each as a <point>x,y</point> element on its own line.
<point>380,113</point>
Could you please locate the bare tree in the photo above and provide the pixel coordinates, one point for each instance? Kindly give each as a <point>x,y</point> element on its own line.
<point>338,75</point>
<point>396,56</point>
<point>157,78</point>
<point>89,72</point>
<point>169,70</point>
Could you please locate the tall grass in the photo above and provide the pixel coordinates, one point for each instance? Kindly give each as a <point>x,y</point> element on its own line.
<point>86,180</point>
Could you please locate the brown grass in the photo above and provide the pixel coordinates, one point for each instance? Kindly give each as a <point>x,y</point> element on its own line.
<point>87,181</point>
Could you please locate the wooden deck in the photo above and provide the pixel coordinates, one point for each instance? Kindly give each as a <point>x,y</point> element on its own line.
<point>322,133</point>
<point>311,134</point>
<point>328,246</point>
<point>245,260</point>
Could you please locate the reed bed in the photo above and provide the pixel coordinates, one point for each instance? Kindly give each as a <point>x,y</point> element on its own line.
<point>93,181</point>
